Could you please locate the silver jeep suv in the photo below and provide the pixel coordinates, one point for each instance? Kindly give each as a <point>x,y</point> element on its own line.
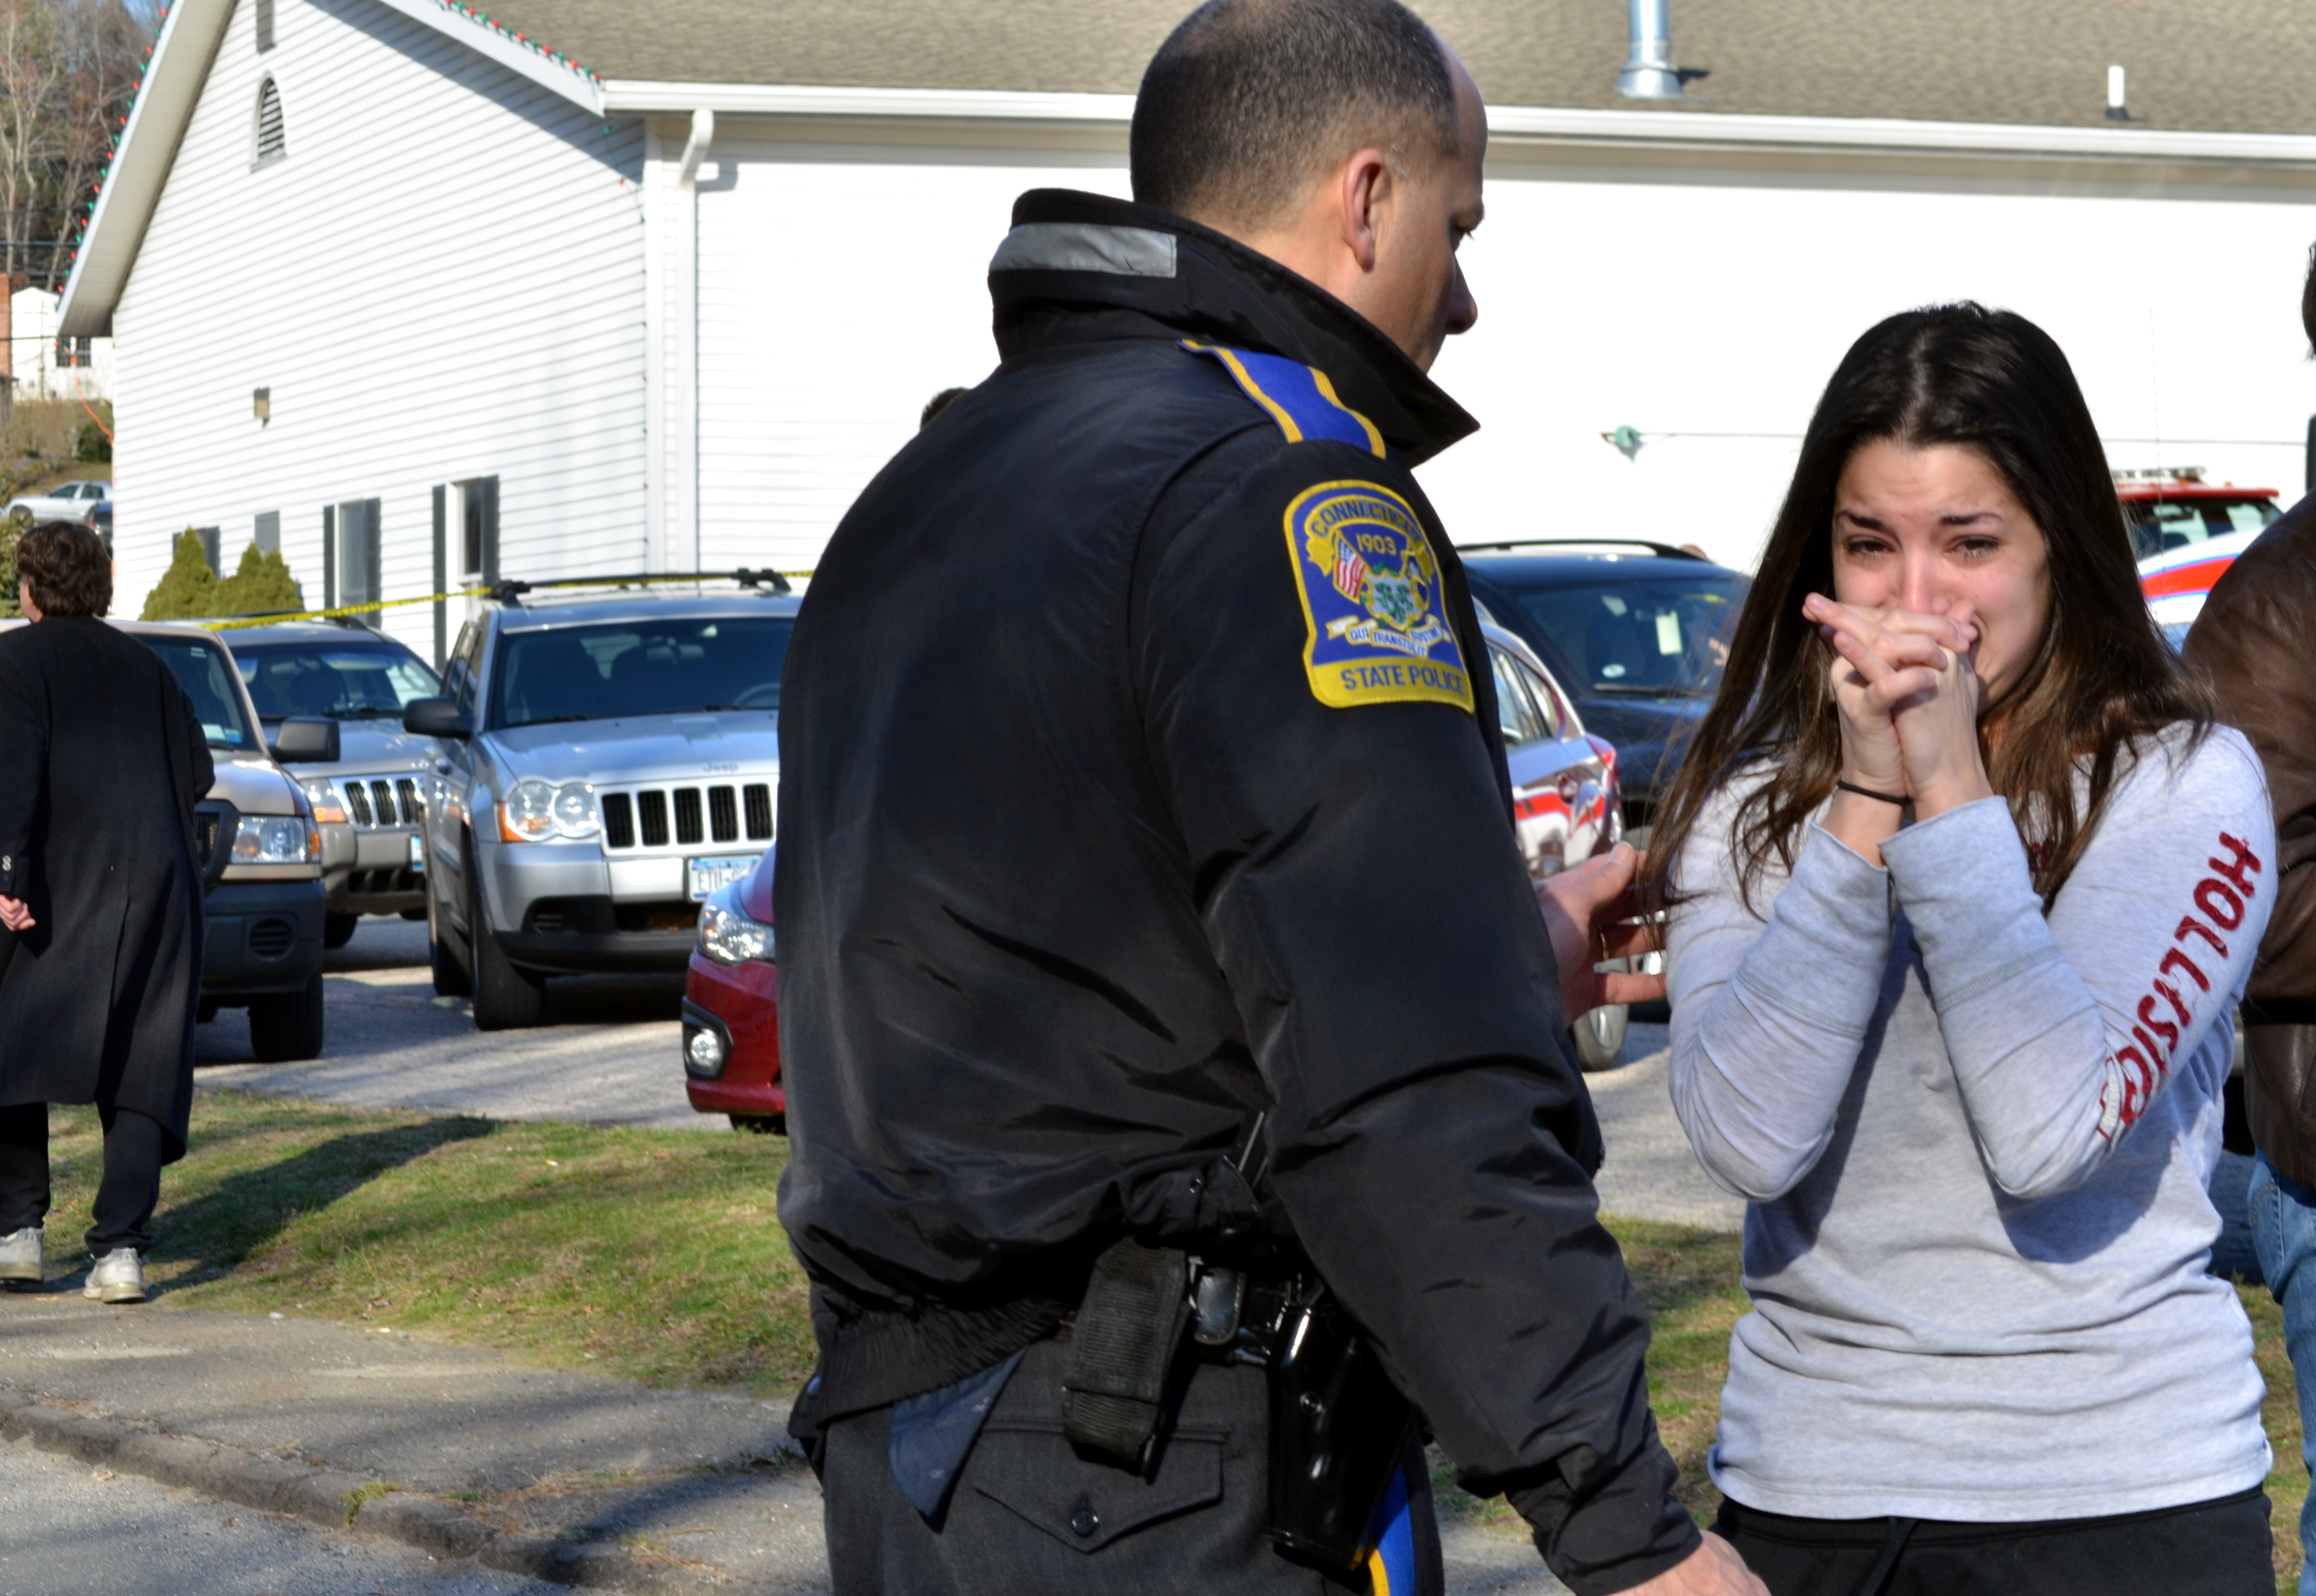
<point>369,799</point>
<point>606,764</point>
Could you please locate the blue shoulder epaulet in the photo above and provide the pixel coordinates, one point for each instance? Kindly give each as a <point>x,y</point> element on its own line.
<point>1298,397</point>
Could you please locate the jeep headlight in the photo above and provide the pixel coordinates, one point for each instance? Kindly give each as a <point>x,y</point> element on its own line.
<point>272,839</point>
<point>728,934</point>
<point>575,810</point>
<point>535,810</point>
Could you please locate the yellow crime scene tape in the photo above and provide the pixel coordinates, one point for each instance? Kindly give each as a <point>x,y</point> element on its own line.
<point>517,587</point>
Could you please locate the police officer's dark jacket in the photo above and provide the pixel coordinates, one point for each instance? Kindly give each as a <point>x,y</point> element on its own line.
<point>1140,771</point>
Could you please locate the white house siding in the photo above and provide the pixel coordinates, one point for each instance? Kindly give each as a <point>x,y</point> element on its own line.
<point>32,345</point>
<point>442,280</point>
<point>1712,307</point>
<point>842,286</point>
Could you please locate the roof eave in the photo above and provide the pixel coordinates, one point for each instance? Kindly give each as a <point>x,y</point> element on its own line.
<point>1767,135</point>
<point>131,188</point>
<point>813,102</point>
<point>1892,135</point>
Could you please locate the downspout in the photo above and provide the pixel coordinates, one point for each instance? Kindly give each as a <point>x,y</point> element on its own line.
<point>1649,73</point>
<point>687,183</point>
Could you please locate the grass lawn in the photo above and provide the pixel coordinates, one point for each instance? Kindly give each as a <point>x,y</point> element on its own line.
<point>657,1256</point>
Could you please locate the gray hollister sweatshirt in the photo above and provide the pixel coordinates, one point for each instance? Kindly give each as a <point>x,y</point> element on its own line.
<point>1976,1142</point>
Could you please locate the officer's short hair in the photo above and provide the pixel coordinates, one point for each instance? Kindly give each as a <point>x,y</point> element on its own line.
<point>66,566</point>
<point>1248,101</point>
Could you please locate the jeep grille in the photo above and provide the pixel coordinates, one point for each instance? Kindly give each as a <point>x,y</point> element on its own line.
<point>686,817</point>
<point>381,803</point>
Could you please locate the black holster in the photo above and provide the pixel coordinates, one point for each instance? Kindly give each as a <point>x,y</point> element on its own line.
<point>1339,1429</point>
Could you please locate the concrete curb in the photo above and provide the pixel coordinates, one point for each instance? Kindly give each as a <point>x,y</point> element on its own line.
<point>330,1497</point>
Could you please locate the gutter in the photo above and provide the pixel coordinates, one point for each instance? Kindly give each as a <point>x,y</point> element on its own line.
<point>1517,124</point>
<point>1663,129</point>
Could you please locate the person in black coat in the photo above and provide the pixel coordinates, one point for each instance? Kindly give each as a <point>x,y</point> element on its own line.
<point>100,905</point>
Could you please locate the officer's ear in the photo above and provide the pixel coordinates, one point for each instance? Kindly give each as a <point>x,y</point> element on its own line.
<point>1364,191</point>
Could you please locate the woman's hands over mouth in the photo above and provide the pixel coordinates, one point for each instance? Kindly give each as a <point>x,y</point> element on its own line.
<point>1909,696</point>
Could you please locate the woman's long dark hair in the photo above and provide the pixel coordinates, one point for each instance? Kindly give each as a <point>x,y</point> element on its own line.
<point>1991,381</point>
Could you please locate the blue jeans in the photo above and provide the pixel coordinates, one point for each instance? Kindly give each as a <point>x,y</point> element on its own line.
<point>2284,1230</point>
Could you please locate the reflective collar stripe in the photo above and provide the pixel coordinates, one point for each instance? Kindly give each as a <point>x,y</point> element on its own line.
<point>1298,397</point>
<point>1085,246</point>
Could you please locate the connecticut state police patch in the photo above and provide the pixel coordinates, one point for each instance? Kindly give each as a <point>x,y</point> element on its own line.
<point>1378,629</point>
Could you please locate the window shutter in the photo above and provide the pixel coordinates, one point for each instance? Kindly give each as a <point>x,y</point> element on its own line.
<point>374,619</point>
<point>441,572</point>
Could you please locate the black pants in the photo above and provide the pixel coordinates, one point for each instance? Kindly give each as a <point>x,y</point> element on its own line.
<point>1028,1517</point>
<point>2206,1548</point>
<point>133,1146</point>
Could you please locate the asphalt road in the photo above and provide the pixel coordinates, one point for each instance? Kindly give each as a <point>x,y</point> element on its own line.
<point>607,1055</point>
<point>77,1531</point>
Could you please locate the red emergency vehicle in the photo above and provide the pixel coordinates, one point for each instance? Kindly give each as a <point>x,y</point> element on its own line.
<point>2186,531</point>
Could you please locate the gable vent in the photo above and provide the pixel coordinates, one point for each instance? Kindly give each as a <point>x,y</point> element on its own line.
<point>269,123</point>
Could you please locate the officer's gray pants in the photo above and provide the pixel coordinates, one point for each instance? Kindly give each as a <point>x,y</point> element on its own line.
<point>1030,1517</point>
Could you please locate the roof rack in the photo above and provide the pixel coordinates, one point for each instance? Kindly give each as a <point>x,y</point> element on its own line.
<point>1663,551</point>
<point>510,590</point>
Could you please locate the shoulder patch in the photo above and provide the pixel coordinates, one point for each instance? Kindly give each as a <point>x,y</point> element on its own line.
<point>1378,632</point>
<point>1298,397</point>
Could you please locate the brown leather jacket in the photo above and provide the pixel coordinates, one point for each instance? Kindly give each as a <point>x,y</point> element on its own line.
<point>2257,641</point>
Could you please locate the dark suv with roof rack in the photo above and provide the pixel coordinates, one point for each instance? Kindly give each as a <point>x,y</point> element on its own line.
<point>606,763</point>
<point>1635,631</point>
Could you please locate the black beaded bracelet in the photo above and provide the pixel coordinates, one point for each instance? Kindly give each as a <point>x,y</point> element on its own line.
<point>1899,799</point>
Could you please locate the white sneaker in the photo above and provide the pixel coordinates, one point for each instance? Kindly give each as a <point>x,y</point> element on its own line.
<point>118,1277</point>
<point>21,1257</point>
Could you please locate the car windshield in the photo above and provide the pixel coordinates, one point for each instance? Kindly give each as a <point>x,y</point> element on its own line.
<point>1663,636</point>
<point>202,670</point>
<point>2158,526</point>
<point>639,667</point>
<point>353,681</point>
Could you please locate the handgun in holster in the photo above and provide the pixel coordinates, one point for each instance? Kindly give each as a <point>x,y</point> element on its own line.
<point>1338,1428</point>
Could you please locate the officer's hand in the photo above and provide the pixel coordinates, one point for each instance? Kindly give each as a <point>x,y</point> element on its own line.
<point>1713,1569</point>
<point>15,913</point>
<point>1589,909</point>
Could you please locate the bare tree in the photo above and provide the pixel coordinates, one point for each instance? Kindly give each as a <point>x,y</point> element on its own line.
<point>31,70</point>
<point>103,45</point>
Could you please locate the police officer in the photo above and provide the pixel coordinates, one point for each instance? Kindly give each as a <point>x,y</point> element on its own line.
<point>1148,885</point>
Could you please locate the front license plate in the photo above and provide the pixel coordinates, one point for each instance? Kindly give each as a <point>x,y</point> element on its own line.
<point>417,852</point>
<point>707,874</point>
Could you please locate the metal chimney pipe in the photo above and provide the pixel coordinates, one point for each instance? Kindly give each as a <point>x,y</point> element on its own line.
<point>1649,73</point>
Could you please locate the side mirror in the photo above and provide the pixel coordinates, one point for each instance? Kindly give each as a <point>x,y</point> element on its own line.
<point>435,717</point>
<point>307,740</point>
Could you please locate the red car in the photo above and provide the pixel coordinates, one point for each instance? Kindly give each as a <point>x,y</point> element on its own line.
<point>732,1009</point>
